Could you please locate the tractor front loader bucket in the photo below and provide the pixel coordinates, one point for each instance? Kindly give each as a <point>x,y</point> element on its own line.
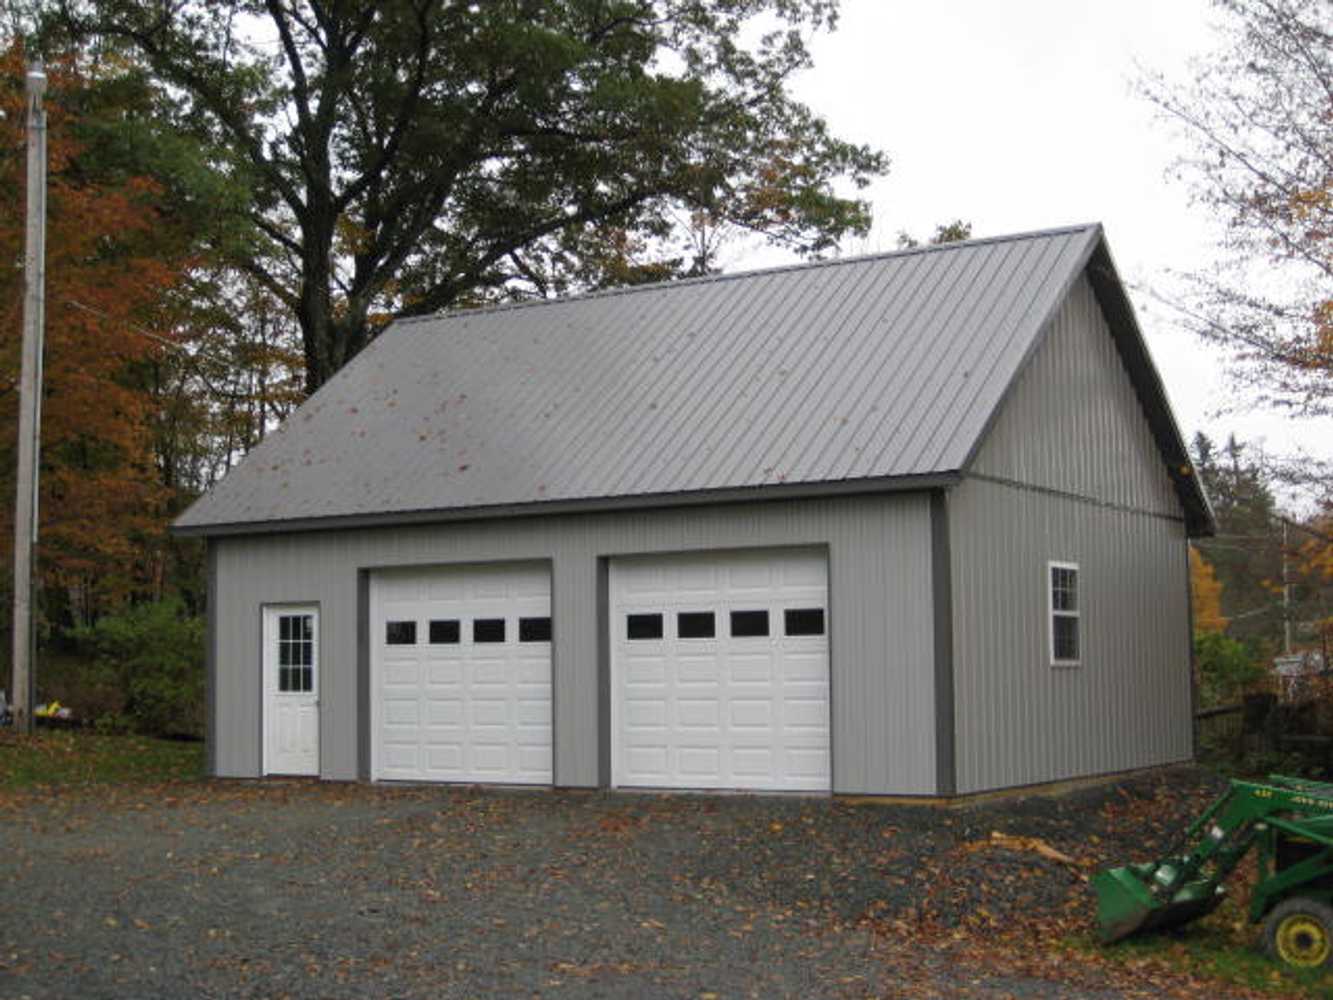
<point>1126,903</point>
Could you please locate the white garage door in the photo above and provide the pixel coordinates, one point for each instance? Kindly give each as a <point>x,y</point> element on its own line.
<point>720,671</point>
<point>461,674</point>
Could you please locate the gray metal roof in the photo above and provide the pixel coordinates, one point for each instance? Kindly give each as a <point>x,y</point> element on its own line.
<point>877,370</point>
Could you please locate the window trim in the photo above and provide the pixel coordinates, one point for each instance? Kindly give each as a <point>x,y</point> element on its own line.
<point>1052,612</point>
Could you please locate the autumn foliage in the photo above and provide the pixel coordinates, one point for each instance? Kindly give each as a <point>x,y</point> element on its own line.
<point>1314,562</point>
<point>1206,595</point>
<point>109,265</point>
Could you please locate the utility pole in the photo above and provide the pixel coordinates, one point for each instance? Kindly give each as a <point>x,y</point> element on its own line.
<point>1286,593</point>
<point>30,403</point>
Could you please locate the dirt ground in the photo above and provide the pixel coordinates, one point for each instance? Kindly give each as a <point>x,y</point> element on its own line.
<point>301,889</point>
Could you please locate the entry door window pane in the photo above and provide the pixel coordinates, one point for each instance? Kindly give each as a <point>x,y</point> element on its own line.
<point>296,653</point>
<point>745,624</point>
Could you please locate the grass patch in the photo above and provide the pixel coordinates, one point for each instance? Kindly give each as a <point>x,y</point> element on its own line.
<point>1208,953</point>
<point>1223,946</point>
<point>75,758</point>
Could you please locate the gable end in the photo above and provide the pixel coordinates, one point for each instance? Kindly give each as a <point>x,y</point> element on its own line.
<point>1087,414</point>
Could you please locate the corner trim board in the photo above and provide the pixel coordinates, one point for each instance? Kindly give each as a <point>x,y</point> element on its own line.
<point>1193,665</point>
<point>604,734</point>
<point>211,727</point>
<point>363,721</point>
<point>941,575</point>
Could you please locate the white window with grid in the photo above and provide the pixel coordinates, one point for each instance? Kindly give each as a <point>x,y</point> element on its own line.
<point>1064,610</point>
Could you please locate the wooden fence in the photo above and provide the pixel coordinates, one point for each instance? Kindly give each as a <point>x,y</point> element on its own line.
<point>1219,730</point>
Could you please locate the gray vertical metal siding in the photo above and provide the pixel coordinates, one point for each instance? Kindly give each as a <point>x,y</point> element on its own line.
<point>1020,720</point>
<point>1072,421</point>
<point>1072,424</point>
<point>880,625</point>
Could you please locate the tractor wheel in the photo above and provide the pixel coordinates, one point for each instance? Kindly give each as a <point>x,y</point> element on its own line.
<point>1299,931</point>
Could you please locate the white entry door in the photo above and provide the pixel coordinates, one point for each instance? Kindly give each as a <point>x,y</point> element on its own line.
<point>291,690</point>
<point>720,671</point>
<point>461,674</point>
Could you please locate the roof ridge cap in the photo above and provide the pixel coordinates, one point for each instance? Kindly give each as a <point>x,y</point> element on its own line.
<point>605,293</point>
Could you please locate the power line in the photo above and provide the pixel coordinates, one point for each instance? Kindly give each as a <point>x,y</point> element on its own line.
<point>134,328</point>
<point>191,354</point>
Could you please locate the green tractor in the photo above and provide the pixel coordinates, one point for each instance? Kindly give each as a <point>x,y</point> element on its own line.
<point>1290,821</point>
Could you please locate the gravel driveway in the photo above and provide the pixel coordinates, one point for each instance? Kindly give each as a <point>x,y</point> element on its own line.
<point>247,889</point>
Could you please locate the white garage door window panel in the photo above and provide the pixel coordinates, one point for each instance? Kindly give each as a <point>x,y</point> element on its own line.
<point>461,711</point>
<point>723,712</point>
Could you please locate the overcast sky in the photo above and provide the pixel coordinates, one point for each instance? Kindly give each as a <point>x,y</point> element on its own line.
<point>1022,115</point>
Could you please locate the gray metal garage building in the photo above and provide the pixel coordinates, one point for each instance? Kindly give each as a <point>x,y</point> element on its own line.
<point>911,524</point>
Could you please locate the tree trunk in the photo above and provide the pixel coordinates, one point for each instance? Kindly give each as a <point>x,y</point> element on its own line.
<point>315,309</point>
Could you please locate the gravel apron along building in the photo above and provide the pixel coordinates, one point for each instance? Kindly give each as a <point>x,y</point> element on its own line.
<point>906,524</point>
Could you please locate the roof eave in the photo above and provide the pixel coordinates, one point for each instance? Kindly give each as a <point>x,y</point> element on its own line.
<point>1119,312</point>
<point>588,505</point>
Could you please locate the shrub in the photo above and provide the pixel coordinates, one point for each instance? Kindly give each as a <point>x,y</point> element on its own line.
<point>156,654</point>
<point>92,690</point>
<point>1226,668</point>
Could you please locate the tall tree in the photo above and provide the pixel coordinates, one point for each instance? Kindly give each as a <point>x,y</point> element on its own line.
<point>945,232</point>
<point>411,155</point>
<point>113,254</point>
<point>1259,117</point>
<point>1311,556</point>
<point>1271,568</point>
<point>1246,554</point>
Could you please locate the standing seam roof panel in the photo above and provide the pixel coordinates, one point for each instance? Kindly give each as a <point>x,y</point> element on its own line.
<point>773,387</point>
<point>884,353</point>
<point>734,411</point>
<point>846,370</point>
<point>996,312</point>
<point>924,349</point>
<point>1008,361</point>
<point>615,402</point>
<point>730,352</point>
<point>824,378</point>
<point>984,310</point>
<point>1003,310</point>
<point>578,432</point>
